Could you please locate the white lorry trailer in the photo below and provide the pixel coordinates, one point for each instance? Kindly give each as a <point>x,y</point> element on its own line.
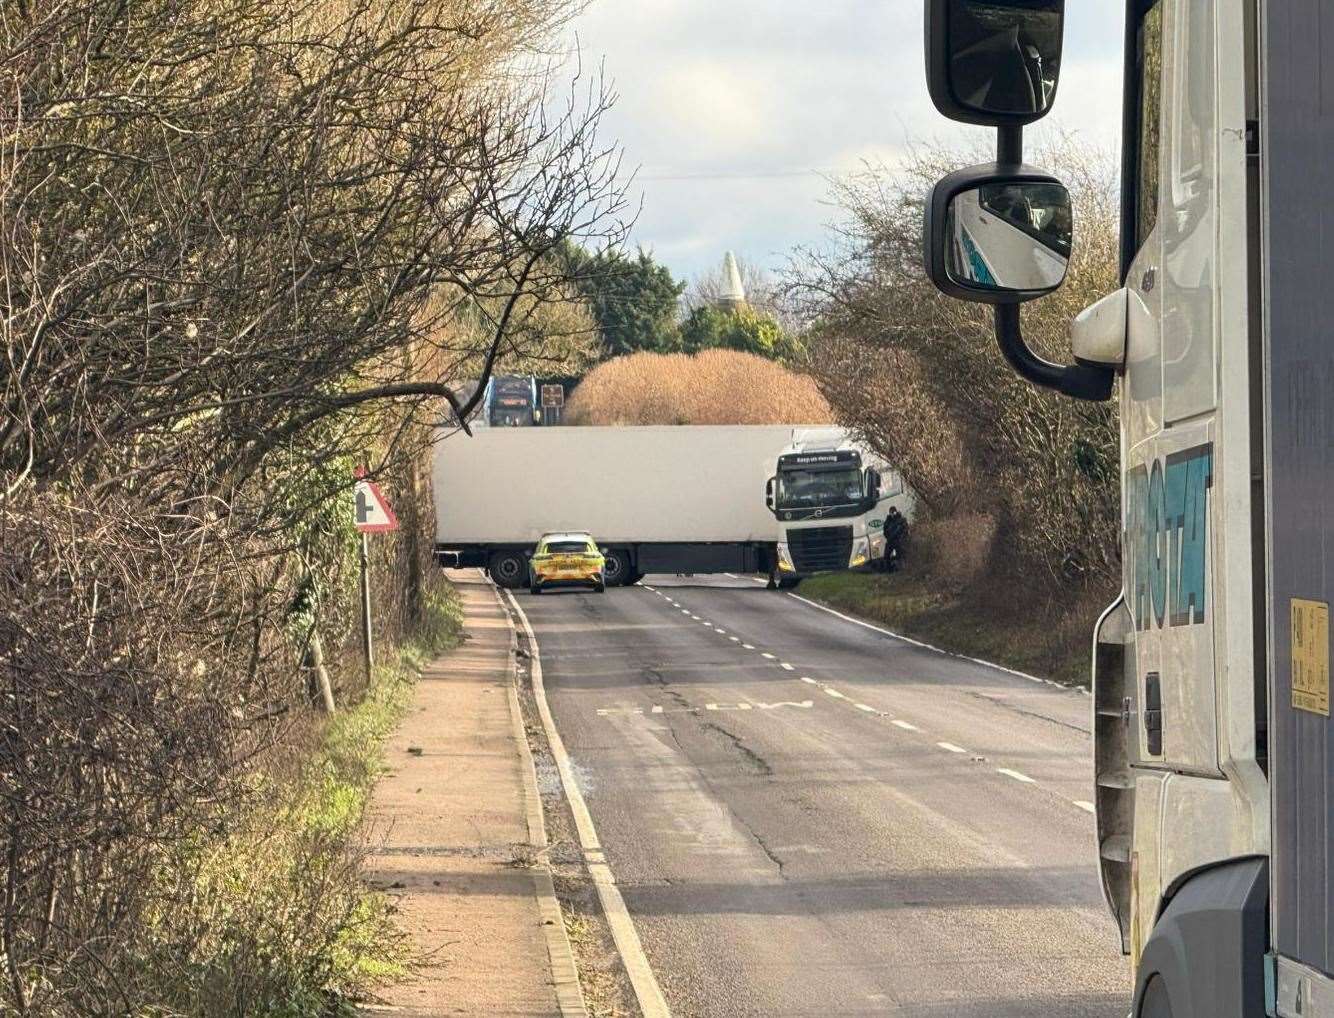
<point>1212,738</point>
<point>659,499</point>
<point>839,506</point>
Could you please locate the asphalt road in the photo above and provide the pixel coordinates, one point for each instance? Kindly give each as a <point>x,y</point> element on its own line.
<point>807,817</point>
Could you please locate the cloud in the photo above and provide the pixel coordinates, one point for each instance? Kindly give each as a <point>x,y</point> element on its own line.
<point>734,111</point>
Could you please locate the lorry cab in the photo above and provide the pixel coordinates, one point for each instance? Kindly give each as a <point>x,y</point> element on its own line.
<point>838,507</point>
<point>1211,671</point>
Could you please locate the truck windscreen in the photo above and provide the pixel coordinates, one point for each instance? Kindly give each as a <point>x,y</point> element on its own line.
<point>811,489</point>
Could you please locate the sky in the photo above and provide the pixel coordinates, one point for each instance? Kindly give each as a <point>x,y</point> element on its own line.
<point>733,114</point>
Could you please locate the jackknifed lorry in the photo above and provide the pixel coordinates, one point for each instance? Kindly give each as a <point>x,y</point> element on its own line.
<point>658,499</point>
<point>1211,722</point>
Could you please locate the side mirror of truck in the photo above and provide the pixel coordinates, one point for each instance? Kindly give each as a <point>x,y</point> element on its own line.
<point>872,485</point>
<point>998,235</point>
<point>769,492</point>
<point>994,62</point>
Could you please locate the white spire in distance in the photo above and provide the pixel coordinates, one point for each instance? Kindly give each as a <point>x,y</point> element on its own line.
<point>733,293</point>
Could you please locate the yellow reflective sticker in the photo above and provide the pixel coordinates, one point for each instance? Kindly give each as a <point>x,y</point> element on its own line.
<point>1310,656</point>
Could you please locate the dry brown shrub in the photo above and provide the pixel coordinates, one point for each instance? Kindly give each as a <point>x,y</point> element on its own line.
<point>956,552</point>
<point>711,387</point>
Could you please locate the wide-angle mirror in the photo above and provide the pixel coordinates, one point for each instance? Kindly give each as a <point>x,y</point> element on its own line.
<point>994,62</point>
<point>999,239</point>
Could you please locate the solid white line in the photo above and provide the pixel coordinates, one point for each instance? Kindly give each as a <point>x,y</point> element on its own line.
<point>905,725</point>
<point>926,646</point>
<point>1016,775</point>
<point>1087,807</point>
<point>784,665</point>
<point>765,653</point>
<point>807,678</point>
<point>950,747</point>
<point>645,983</point>
<point>869,710</point>
<point>835,693</point>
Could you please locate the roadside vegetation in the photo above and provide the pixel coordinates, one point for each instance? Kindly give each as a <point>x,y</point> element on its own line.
<point>245,248</point>
<point>710,387</point>
<point>1019,513</point>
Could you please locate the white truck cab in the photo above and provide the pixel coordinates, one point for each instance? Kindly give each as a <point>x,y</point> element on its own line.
<point>839,506</point>
<point>1211,671</point>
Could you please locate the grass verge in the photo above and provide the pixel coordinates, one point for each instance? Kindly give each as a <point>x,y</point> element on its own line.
<point>274,919</point>
<point>1051,641</point>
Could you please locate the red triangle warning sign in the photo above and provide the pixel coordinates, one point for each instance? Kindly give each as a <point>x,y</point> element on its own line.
<point>374,514</point>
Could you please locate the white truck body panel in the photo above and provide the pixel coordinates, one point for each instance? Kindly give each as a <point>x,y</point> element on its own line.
<point>673,484</point>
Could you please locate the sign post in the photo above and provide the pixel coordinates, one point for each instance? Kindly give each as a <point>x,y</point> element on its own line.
<point>374,516</point>
<point>553,403</point>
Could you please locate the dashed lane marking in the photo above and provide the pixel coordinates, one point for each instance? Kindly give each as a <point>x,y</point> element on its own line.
<point>735,639</point>
<point>906,726</point>
<point>748,646</point>
<point>766,654</point>
<point>722,631</point>
<point>807,678</point>
<point>950,747</point>
<point>834,693</point>
<point>785,666</point>
<point>1023,778</point>
<point>868,709</point>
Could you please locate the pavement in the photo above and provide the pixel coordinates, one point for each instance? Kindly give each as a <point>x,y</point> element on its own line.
<point>461,837</point>
<point>805,816</point>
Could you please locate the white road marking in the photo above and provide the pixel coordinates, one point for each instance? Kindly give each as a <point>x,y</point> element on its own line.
<point>765,653</point>
<point>807,678</point>
<point>748,646</point>
<point>685,611</point>
<point>735,639</point>
<point>834,693</point>
<point>869,710</point>
<point>950,747</point>
<point>636,712</point>
<point>722,631</point>
<point>645,984</point>
<point>926,646</point>
<point>727,706</point>
<point>787,667</point>
<point>906,726</point>
<point>1016,775</point>
<point>1087,807</point>
<point>696,618</point>
<point>647,587</point>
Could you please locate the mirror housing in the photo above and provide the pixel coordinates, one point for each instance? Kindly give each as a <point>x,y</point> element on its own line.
<point>872,485</point>
<point>998,234</point>
<point>995,63</point>
<point>769,492</point>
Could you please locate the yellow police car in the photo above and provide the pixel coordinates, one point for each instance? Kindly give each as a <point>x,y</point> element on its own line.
<point>567,560</point>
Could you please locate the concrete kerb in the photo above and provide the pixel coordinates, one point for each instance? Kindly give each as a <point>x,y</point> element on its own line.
<point>648,994</point>
<point>564,970</point>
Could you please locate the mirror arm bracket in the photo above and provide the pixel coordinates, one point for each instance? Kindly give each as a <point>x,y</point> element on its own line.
<point>1084,381</point>
<point>1010,146</point>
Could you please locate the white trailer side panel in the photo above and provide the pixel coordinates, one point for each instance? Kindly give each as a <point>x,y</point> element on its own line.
<point>640,484</point>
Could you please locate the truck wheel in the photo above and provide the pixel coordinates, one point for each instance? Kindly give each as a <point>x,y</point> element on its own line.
<point>617,569</point>
<point>509,569</point>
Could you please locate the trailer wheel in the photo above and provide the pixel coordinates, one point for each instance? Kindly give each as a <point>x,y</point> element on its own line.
<point>509,569</point>
<point>617,568</point>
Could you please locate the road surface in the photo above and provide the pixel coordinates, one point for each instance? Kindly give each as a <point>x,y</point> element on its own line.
<point>808,817</point>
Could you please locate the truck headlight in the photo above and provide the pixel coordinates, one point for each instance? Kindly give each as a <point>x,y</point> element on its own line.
<point>784,559</point>
<point>877,546</point>
<point>861,550</point>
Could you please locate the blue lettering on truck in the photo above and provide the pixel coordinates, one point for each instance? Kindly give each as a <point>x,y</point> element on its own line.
<point>1167,538</point>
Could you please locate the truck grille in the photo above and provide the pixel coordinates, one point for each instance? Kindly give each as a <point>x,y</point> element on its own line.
<point>819,549</point>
